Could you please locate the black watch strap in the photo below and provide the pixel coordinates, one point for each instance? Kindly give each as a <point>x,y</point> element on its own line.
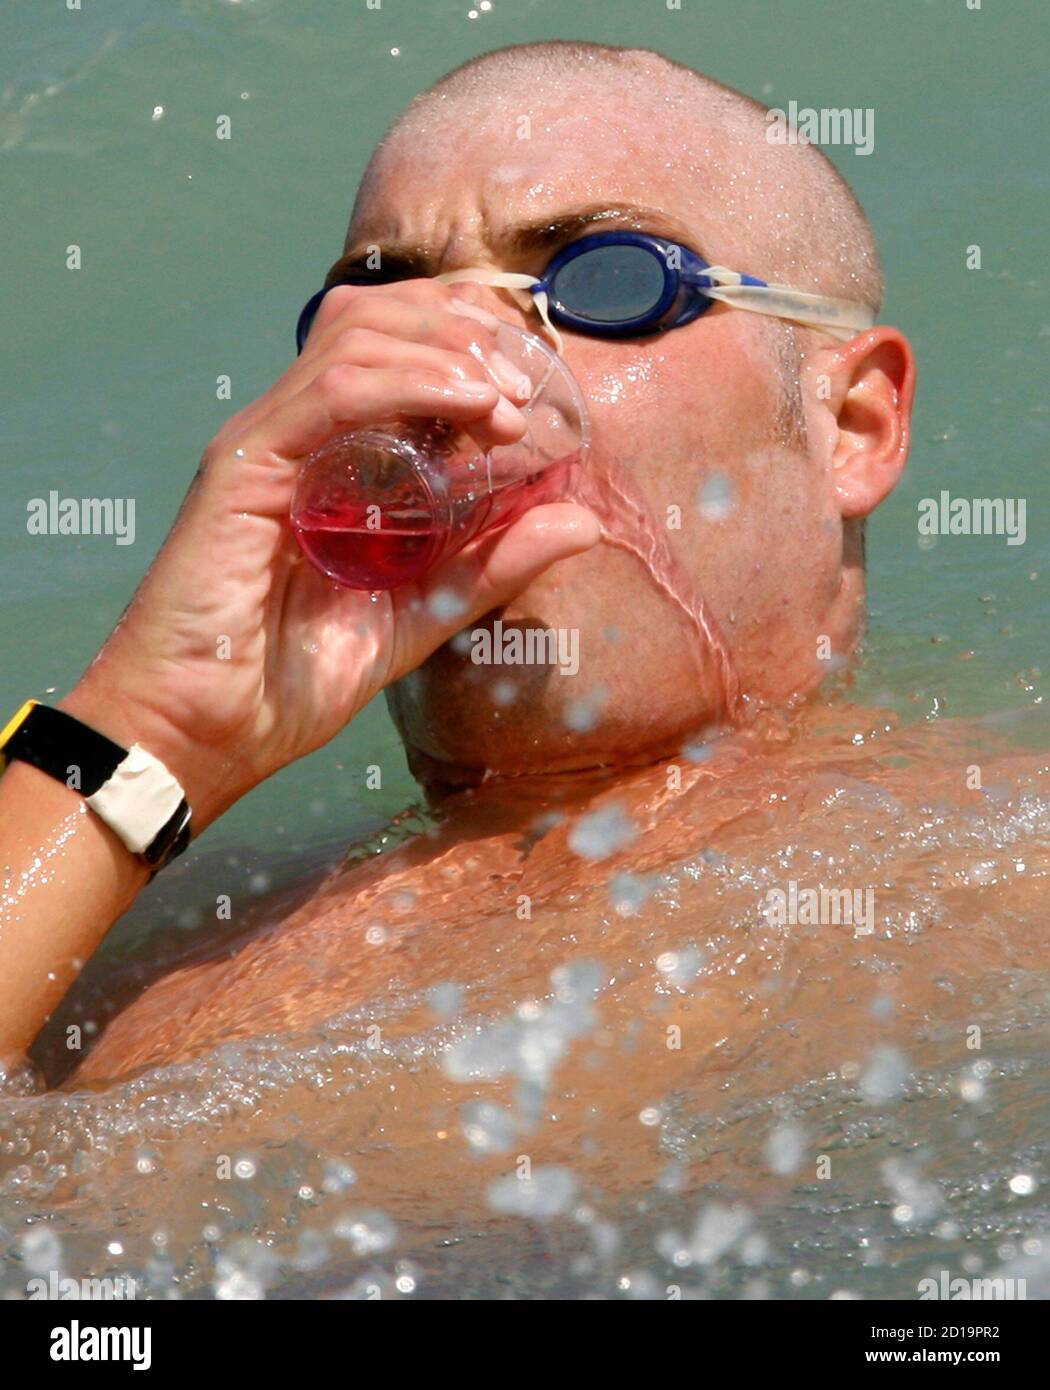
<point>128,788</point>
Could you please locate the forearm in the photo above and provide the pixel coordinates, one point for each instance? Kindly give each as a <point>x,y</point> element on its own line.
<point>65,877</point>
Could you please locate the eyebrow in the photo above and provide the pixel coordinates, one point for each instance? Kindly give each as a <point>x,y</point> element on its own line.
<point>523,238</point>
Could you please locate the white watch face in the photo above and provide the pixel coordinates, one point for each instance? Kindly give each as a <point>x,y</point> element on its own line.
<point>138,800</point>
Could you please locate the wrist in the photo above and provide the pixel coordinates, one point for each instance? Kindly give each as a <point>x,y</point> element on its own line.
<point>105,707</point>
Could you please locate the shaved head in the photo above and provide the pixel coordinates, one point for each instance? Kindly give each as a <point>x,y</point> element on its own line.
<point>788,209</point>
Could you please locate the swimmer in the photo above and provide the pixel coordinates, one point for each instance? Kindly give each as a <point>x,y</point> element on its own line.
<point>799,431</point>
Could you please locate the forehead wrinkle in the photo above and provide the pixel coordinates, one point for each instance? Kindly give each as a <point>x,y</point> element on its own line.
<point>518,239</point>
<point>562,223</point>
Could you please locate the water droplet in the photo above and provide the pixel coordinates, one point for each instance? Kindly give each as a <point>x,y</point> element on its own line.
<point>488,1128</point>
<point>716,498</point>
<point>628,893</point>
<point>41,1250</point>
<point>369,1232</point>
<point>446,999</point>
<point>786,1149</point>
<point>446,605</point>
<point>717,1231</point>
<point>885,1075</point>
<point>338,1176</point>
<point>548,1192</point>
<point>601,833</point>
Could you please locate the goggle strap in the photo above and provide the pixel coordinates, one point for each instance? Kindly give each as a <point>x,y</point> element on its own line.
<point>842,318</point>
<point>517,285</point>
<point>507,279</point>
<point>539,298</point>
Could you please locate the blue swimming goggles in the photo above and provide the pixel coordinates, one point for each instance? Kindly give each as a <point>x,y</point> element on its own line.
<point>624,284</point>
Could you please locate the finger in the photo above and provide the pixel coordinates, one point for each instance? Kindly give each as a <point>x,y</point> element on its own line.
<point>434,317</point>
<point>389,333</point>
<point>344,397</point>
<point>365,347</point>
<point>419,290</point>
<point>408,306</point>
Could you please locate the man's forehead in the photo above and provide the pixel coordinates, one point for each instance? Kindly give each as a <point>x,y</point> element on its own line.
<point>503,181</point>
<point>466,164</point>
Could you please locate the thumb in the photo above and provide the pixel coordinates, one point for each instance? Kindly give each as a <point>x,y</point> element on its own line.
<point>496,568</point>
<point>487,575</point>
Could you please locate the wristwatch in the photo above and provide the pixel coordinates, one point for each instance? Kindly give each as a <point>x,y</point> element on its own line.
<point>128,788</point>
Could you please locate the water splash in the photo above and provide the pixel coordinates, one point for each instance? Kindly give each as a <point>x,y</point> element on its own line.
<point>628,523</point>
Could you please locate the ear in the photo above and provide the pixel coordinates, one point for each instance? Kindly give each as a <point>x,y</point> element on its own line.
<point>862,394</point>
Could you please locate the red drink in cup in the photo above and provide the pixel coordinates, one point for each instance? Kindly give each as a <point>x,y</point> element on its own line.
<point>377,508</point>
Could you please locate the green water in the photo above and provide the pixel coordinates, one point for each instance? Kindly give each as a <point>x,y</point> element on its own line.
<point>197,254</point>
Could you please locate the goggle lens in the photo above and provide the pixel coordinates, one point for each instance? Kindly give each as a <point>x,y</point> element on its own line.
<point>609,284</point>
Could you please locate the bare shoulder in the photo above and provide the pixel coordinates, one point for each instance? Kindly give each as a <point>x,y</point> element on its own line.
<point>946,827</point>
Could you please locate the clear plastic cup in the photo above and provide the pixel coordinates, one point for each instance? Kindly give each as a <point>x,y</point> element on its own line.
<point>377,508</point>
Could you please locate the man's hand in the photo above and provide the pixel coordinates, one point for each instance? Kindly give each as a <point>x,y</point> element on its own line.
<point>235,657</point>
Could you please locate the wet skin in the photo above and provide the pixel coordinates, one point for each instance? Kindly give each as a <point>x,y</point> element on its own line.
<point>449,905</point>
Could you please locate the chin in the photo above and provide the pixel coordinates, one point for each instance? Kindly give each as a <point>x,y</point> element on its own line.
<point>445,760</point>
